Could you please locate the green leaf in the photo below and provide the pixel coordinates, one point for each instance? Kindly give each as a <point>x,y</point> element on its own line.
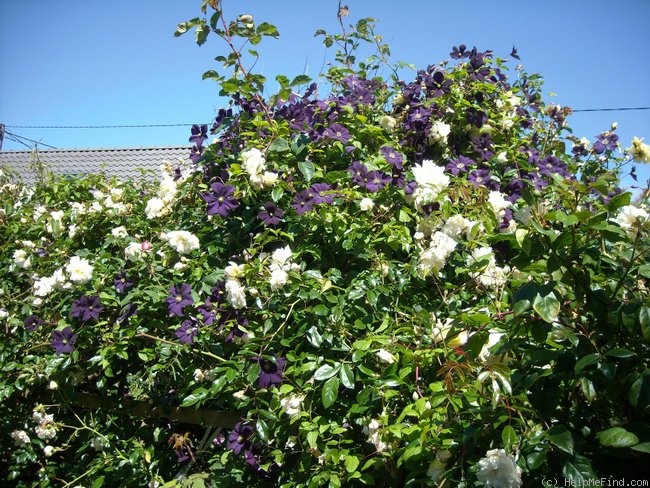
<point>99,481</point>
<point>547,306</point>
<point>279,145</point>
<point>644,320</point>
<point>300,80</point>
<point>326,371</point>
<point>196,396</point>
<point>347,376</point>
<point>585,361</point>
<point>330,391</point>
<point>210,74</point>
<point>617,437</point>
<point>201,34</point>
<point>183,27</point>
<point>351,463</point>
<point>578,468</point>
<point>509,437</point>
<point>214,20</point>
<point>321,310</point>
<point>312,437</point>
<point>262,430</point>
<point>561,437</point>
<point>266,29</point>
<point>276,194</point>
<point>524,297</point>
<point>620,352</point>
<point>307,169</point>
<point>643,447</point>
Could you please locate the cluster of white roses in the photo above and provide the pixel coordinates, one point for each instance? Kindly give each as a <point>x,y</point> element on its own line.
<point>491,275</point>
<point>254,163</point>
<point>442,242</point>
<point>76,271</point>
<point>182,241</point>
<point>161,204</point>
<point>235,291</point>
<point>632,219</point>
<point>431,180</point>
<point>280,266</point>
<point>46,427</point>
<point>372,430</point>
<point>499,470</point>
<point>438,133</point>
<point>109,202</point>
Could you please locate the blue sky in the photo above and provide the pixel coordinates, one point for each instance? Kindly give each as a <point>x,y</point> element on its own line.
<point>88,63</point>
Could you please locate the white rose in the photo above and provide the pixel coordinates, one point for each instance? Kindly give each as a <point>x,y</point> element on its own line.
<point>79,270</point>
<point>366,204</point>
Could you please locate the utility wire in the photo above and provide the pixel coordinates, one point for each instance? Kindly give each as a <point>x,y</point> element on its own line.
<point>17,138</point>
<point>138,126</point>
<point>620,109</point>
<point>94,126</point>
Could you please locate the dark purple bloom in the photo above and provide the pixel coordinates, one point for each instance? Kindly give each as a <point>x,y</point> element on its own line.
<point>218,292</point>
<point>392,156</point>
<point>238,440</point>
<point>221,201</point>
<point>476,117</point>
<point>605,141</point>
<point>271,214</point>
<point>196,152</point>
<point>87,308</point>
<point>418,118</point>
<point>483,146</point>
<point>459,52</point>
<point>251,459</point>
<point>513,53</point>
<point>178,298</point>
<point>183,454</point>
<point>410,187</point>
<point>199,134</point>
<point>460,165</point>
<point>480,177</point>
<point>129,311</point>
<point>188,331</point>
<point>303,202</point>
<point>122,283</point>
<point>376,180</point>
<point>63,341</point>
<point>318,189</point>
<point>358,172</point>
<point>271,372</point>
<point>33,322</point>
<point>337,132</point>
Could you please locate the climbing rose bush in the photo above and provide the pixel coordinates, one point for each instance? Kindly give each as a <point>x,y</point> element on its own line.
<point>422,279</point>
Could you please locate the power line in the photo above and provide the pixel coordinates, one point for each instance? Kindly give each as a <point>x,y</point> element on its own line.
<point>95,126</point>
<point>138,126</point>
<point>20,139</point>
<point>620,109</point>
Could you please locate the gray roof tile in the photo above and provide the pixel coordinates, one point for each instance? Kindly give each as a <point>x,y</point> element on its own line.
<point>123,163</point>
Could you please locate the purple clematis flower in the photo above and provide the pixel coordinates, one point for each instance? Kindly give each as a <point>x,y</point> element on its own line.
<point>392,156</point>
<point>33,322</point>
<point>480,177</point>
<point>179,297</point>
<point>188,331</point>
<point>317,190</point>
<point>459,52</point>
<point>271,372</point>
<point>460,165</point>
<point>376,180</point>
<point>271,214</point>
<point>337,132</point>
<point>87,308</point>
<point>483,146</point>
<point>122,283</point>
<point>221,201</point>
<point>238,440</point>
<point>199,134</point>
<point>63,341</point>
<point>358,171</point>
<point>303,202</point>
